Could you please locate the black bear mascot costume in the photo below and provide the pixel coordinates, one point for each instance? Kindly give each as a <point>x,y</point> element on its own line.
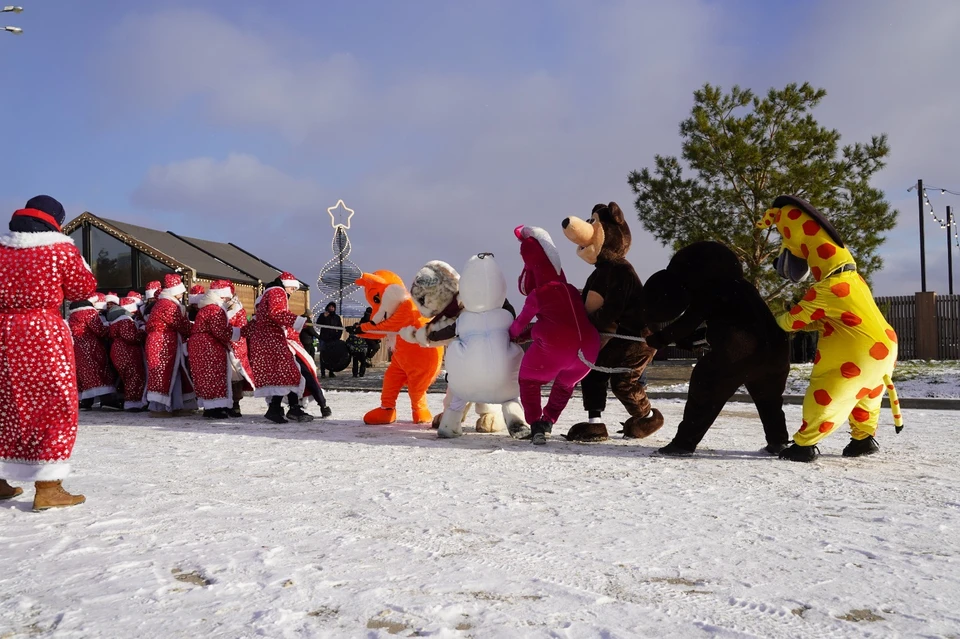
<point>704,284</point>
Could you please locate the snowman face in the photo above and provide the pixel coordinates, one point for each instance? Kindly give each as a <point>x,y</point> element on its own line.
<point>482,285</point>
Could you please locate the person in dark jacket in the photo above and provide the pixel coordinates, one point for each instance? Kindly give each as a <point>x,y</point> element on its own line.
<point>328,335</point>
<point>308,336</point>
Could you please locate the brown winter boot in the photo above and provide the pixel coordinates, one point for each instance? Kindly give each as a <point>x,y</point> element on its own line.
<point>640,427</point>
<point>50,494</point>
<point>7,491</point>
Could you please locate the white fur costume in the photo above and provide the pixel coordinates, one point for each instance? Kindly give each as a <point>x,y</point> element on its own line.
<point>482,363</point>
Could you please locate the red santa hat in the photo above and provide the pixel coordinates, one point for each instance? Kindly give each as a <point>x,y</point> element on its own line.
<point>152,289</point>
<point>223,288</point>
<point>130,304</point>
<point>289,280</point>
<point>99,301</point>
<point>135,295</point>
<point>196,292</point>
<point>112,297</point>
<point>173,285</point>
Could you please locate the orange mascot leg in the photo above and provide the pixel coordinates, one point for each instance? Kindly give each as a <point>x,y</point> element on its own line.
<point>394,379</point>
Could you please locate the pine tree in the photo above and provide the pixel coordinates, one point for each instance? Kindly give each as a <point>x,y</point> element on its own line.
<point>745,151</point>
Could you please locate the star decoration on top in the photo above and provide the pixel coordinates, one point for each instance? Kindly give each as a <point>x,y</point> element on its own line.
<point>333,217</point>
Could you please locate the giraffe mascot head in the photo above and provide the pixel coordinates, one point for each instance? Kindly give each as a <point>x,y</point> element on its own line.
<point>857,349</point>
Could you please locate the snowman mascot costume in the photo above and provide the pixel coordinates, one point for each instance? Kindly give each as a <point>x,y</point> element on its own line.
<point>482,364</point>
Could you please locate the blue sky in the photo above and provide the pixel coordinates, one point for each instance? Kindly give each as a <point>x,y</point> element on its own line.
<point>443,124</point>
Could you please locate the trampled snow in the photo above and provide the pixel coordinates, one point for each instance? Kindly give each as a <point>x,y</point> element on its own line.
<point>335,529</point>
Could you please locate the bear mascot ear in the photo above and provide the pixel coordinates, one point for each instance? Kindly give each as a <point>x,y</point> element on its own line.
<point>664,298</point>
<point>615,213</point>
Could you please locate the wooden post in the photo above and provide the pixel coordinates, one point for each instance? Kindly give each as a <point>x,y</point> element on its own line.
<point>927,335</point>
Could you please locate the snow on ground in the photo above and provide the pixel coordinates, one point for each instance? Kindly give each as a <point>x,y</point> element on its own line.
<point>913,379</point>
<point>336,529</point>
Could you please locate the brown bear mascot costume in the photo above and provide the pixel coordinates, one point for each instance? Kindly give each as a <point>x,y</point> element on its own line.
<point>612,296</point>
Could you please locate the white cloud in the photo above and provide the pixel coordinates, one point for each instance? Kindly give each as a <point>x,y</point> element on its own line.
<point>241,76</point>
<point>239,187</point>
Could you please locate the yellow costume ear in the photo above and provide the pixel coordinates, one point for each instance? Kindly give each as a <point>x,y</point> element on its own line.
<point>769,219</point>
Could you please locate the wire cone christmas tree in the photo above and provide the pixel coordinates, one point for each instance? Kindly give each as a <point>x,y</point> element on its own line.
<point>336,282</point>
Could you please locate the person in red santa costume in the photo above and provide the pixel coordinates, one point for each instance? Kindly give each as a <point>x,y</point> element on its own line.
<point>193,299</point>
<point>112,300</point>
<point>169,388</point>
<point>91,348</point>
<point>209,349</point>
<point>149,299</point>
<point>126,353</point>
<point>39,267</point>
<point>281,366</point>
<point>241,374</point>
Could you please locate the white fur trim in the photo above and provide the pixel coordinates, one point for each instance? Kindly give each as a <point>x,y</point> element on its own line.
<point>173,293</point>
<point>233,311</point>
<point>131,308</point>
<point>207,404</point>
<point>393,296</point>
<point>541,236</point>
<point>291,283</point>
<point>82,308</point>
<point>207,299</point>
<point>127,405</point>
<point>221,292</point>
<point>272,391</point>
<point>112,298</point>
<point>97,392</point>
<point>17,240</point>
<point>299,323</point>
<point>34,471</point>
<point>236,334</point>
<point>150,294</point>
<point>99,305</point>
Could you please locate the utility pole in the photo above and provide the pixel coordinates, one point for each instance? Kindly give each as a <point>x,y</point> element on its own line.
<point>923,253</point>
<point>949,250</point>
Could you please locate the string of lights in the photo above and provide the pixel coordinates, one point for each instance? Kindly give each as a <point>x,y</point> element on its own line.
<point>337,279</point>
<point>944,224</point>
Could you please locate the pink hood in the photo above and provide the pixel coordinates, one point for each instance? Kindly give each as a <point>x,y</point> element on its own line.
<point>541,259</point>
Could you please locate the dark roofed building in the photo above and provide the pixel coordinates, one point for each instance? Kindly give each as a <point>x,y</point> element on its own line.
<point>126,257</point>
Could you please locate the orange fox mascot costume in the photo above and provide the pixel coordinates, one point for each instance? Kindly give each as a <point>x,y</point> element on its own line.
<point>412,365</point>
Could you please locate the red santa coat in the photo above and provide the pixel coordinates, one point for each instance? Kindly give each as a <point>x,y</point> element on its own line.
<point>95,375</point>
<point>167,328</point>
<point>38,380</point>
<point>275,347</point>
<point>126,354</point>
<point>209,349</point>
<point>238,319</point>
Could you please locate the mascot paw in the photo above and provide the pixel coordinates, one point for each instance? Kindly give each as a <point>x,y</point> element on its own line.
<point>435,424</point>
<point>450,426</point>
<point>587,432</point>
<point>640,427</point>
<point>408,334</point>
<point>422,417</point>
<point>380,416</point>
<point>488,423</point>
<point>519,430</point>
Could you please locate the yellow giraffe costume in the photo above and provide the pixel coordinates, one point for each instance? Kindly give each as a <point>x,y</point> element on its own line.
<point>857,349</point>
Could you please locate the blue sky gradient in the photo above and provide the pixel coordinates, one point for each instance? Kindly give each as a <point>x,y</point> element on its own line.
<point>443,124</point>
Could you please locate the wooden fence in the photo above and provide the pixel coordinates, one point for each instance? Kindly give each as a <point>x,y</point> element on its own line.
<point>948,327</point>
<point>901,313</point>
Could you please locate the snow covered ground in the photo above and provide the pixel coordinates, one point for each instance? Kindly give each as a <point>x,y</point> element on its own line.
<point>336,529</point>
<point>914,379</point>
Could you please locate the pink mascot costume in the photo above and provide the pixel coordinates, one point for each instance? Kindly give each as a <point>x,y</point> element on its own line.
<point>561,332</point>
